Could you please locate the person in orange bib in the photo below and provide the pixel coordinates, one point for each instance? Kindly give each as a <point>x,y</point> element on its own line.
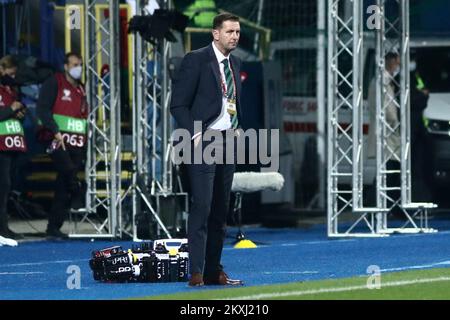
<point>62,109</point>
<point>12,140</point>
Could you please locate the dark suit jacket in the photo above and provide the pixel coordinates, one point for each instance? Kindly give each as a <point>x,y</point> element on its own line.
<point>197,89</point>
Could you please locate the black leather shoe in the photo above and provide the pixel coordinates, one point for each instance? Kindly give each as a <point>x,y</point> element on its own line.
<point>223,280</point>
<point>53,234</point>
<point>8,233</point>
<point>196,280</point>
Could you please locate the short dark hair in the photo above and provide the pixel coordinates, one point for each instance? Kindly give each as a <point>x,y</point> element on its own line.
<point>391,56</point>
<point>220,18</point>
<point>8,62</point>
<point>71,54</point>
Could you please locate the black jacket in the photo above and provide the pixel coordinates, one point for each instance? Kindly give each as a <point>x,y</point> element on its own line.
<point>6,113</point>
<point>418,103</point>
<point>44,107</point>
<point>197,90</point>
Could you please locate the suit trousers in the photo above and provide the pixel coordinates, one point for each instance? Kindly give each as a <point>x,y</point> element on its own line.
<point>67,164</point>
<point>6,161</point>
<point>210,196</point>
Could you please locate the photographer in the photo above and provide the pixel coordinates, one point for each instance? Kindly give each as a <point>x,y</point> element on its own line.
<point>12,139</point>
<point>62,108</point>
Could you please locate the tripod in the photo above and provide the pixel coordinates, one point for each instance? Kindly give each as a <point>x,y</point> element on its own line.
<point>246,182</point>
<point>241,241</point>
<point>138,186</point>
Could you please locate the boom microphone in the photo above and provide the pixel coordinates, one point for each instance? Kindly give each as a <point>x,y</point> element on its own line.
<point>256,181</point>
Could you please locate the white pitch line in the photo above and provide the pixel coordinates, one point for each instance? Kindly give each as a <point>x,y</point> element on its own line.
<point>337,289</point>
<point>424,266</point>
<point>41,263</point>
<point>328,241</point>
<point>8,273</point>
<point>291,272</point>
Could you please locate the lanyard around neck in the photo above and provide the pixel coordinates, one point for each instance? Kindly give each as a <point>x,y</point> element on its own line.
<point>224,87</point>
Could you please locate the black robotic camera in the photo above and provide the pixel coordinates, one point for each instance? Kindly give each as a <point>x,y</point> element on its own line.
<point>158,26</point>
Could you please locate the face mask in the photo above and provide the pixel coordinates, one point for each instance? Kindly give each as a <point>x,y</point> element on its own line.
<point>396,71</point>
<point>412,66</point>
<point>75,72</point>
<point>7,80</point>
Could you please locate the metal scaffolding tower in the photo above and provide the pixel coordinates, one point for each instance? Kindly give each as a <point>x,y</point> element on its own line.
<point>344,123</point>
<point>152,177</point>
<point>103,165</point>
<point>149,125</point>
<point>393,36</point>
<point>152,125</point>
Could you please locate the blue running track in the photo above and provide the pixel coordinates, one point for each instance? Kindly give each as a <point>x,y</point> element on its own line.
<point>38,270</point>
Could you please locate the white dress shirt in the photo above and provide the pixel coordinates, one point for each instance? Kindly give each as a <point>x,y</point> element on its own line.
<point>223,121</point>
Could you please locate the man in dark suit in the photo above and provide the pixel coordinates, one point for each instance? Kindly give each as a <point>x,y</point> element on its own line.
<point>206,90</point>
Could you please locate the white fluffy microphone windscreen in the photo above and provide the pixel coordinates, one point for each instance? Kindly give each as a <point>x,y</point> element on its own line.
<point>257,181</point>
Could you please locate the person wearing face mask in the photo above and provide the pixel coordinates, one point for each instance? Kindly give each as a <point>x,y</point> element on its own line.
<point>391,111</point>
<point>12,140</point>
<point>62,109</point>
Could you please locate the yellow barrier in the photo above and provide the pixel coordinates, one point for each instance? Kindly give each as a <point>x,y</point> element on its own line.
<point>264,36</point>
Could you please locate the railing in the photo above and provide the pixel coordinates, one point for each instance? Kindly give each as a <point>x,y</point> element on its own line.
<point>262,36</point>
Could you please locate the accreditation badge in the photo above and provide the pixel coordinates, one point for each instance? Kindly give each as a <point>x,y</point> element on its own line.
<point>231,106</point>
